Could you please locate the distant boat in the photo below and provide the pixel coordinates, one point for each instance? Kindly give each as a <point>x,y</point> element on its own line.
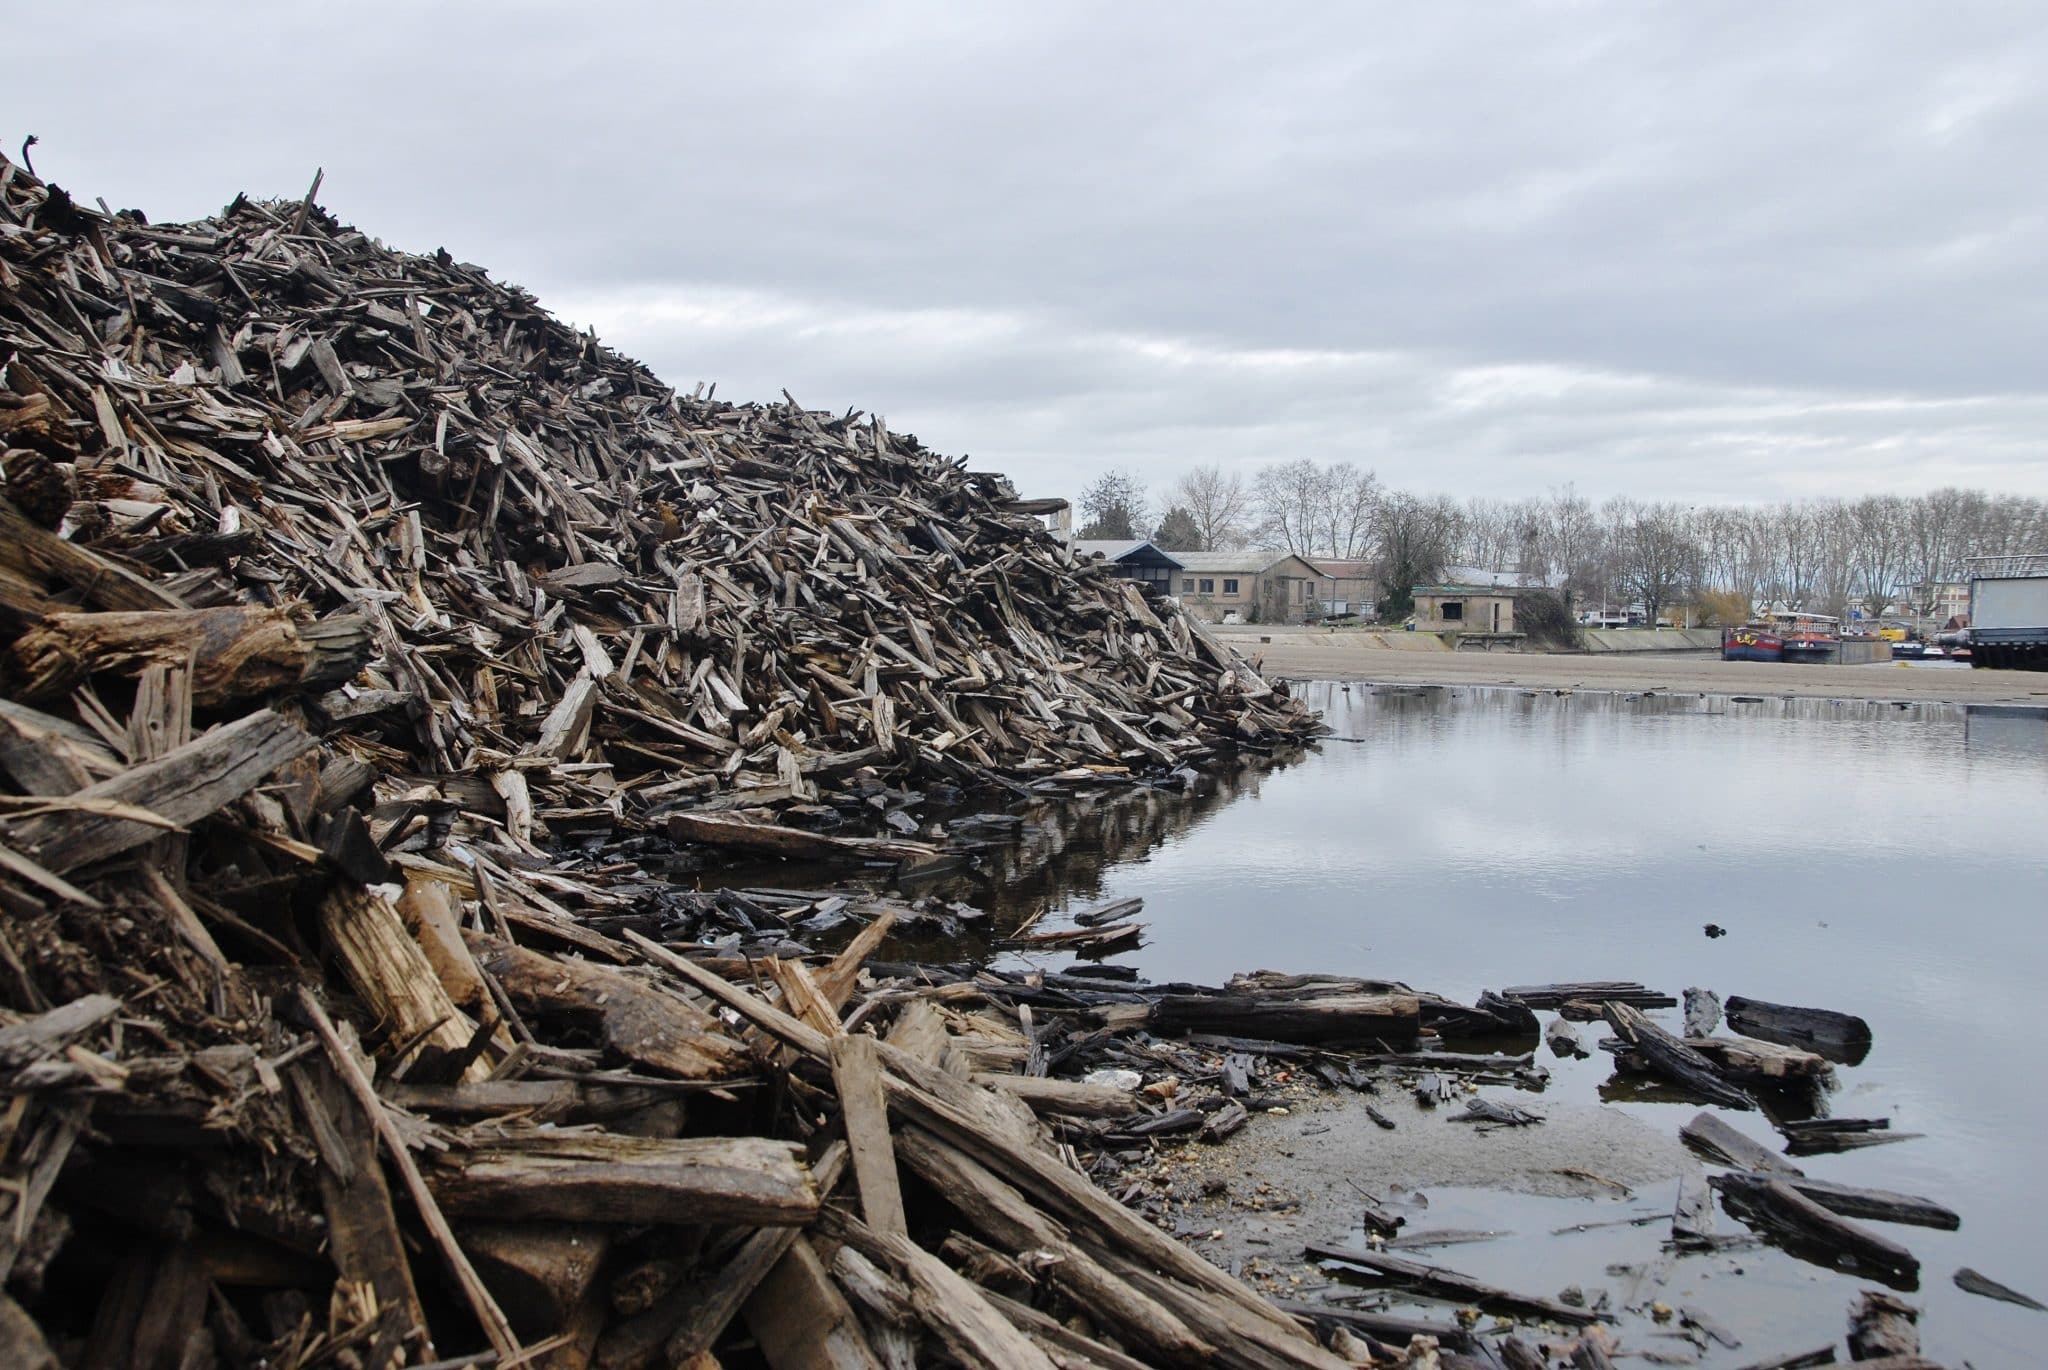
<point>1752,642</point>
<point>1810,644</point>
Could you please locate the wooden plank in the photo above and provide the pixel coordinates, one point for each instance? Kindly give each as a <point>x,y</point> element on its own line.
<point>857,1078</point>
<point>187,784</point>
<point>614,1178</point>
<point>802,1321</point>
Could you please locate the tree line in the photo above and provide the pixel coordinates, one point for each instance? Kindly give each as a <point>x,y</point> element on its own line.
<point>1818,555</point>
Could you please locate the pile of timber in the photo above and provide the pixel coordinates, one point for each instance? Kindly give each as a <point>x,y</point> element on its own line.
<point>377,648</point>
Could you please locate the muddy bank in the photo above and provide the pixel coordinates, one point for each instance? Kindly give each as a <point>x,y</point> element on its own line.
<point>1304,653</point>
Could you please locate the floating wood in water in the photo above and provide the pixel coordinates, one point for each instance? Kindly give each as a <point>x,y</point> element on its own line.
<point>1109,912</point>
<point>1440,1283</point>
<point>1970,1282</point>
<point>1564,1039</point>
<point>1673,1059</point>
<point>1387,1015</point>
<point>1596,991</point>
<point>1818,1136</point>
<point>1883,1326</point>
<point>1702,1012</point>
<point>1879,1205</point>
<point>1775,1206</point>
<point>1721,1142</point>
<point>1841,1037</point>
<point>1082,941</point>
<point>1740,1058</point>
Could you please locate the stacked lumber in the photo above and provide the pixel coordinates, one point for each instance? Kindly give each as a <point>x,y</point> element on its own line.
<point>378,648</point>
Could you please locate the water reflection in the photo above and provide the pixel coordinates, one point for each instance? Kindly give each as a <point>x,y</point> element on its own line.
<point>1880,859</point>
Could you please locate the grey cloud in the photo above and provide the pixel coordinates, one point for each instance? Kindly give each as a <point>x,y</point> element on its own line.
<point>1674,249</point>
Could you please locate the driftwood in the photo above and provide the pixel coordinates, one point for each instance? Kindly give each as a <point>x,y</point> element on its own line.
<point>1970,1282</point>
<point>1841,1037</point>
<point>1775,1206</point>
<point>1438,1282</point>
<point>1673,1059</point>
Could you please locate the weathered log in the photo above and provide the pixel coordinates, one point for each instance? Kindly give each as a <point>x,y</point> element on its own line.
<point>1553,996</point>
<point>1069,1097</point>
<point>233,651</point>
<point>802,1321</point>
<point>1564,1039</point>
<point>1391,1016</point>
<point>609,1178</point>
<point>1745,1059</point>
<point>1709,1134</point>
<point>1841,1037</point>
<point>643,1022</point>
<point>187,784</point>
<point>1440,1283</point>
<point>1386,1327</point>
<point>1877,1205</point>
<point>1671,1058</point>
<point>1773,1205</point>
<point>1883,1325</point>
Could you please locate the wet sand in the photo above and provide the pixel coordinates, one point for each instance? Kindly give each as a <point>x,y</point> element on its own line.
<point>1318,654</point>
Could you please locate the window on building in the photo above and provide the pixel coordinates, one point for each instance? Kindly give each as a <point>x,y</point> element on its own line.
<point>1454,611</point>
<point>1187,585</point>
<point>1229,587</point>
<point>1208,586</point>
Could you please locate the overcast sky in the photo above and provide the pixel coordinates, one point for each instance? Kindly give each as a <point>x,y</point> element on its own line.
<point>1697,251</point>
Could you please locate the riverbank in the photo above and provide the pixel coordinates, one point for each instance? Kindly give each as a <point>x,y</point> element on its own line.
<point>1311,653</point>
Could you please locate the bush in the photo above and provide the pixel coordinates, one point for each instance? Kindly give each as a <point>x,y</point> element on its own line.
<point>1721,609</point>
<point>1542,617</point>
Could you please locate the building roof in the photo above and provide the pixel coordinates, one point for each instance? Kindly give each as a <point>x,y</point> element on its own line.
<point>1228,563</point>
<point>1339,568</point>
<point>1467,577</point>
<point>1117,549</point>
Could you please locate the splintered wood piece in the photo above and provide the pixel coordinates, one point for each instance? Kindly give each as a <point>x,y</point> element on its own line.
<point>801,1319</point>
<point>1772,1204</point>
<point>1002,1215</point>
<point>363,1236</point>
<point>175,791</point>
<point>953,1310</point>
<point>857,1077</point>
<point>233,651</point>
<point>610,1177</point>
<point>644,1022</point>
<point>393,976</point>
<point>488,1315</point>
<point>1673,1059</point>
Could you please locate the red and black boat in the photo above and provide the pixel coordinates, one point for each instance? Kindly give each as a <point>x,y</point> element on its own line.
<point>1752,642</point>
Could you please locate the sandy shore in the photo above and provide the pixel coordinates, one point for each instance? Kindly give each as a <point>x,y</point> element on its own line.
<point>1318,654</point>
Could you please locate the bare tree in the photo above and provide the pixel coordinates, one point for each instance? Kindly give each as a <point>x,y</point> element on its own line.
<point>1219,501</point>
<point>1658,558</point>
<point>1291,499</point>
<point>1350,503</point>
<point>1879,523</point>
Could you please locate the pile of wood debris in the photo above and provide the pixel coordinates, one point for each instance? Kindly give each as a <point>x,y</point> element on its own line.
<point>347,591</point>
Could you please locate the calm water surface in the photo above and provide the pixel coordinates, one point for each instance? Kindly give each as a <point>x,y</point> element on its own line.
<point>1885,861</point>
